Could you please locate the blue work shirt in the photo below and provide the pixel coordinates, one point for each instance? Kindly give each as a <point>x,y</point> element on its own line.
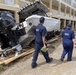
<point>39,32</point>
<point>68,36</point>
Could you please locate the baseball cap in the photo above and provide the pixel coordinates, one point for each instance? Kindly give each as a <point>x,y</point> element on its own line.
<point>69,25</point>
<point>42,18</point>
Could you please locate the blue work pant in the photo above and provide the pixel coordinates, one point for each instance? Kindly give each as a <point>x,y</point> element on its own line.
<point>37,50</point>
<point>67,49</point>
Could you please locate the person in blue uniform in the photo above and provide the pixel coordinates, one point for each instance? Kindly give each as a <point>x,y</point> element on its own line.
<point>40,33</point>
<point>67,41</point>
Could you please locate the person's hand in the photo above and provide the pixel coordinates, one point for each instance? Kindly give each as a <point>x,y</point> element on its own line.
<point>44,46</point>
<point>74,45</point>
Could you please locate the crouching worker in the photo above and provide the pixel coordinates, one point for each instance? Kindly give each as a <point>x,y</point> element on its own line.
<point>67,41</point>
<point>40,33</point>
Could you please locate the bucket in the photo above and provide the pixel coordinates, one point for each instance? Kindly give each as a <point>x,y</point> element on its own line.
<point>43,49</point>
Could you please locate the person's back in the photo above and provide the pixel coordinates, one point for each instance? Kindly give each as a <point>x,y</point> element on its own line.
<point>67,36</point>
<point>40,30</point>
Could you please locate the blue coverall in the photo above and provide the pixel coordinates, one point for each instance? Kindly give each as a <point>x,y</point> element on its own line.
<point>68,36</point>
<point>39,32</point>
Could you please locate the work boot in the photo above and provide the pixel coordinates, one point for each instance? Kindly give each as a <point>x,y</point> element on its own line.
<point>69,59</point>
<point>50,60</point>
<point>33,65</point>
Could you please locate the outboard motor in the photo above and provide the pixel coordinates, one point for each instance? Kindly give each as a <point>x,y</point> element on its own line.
<point>7,22</point>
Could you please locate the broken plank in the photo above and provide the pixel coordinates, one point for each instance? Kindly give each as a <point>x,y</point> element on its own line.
<point>6,62</point>
<point>1,63</point>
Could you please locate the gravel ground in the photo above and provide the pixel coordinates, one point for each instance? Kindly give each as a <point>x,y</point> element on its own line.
<point>56,67</point>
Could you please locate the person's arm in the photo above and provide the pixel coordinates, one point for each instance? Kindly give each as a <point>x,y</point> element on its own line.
<point>73,40</point>
<point>43,40</point>
<point>44,33</point>
<point>73,37</point>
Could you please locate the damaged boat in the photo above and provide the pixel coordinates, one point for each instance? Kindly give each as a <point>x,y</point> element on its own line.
<point>22,35</point>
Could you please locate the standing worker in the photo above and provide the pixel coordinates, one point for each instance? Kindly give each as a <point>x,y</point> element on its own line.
<point>40,33</point>
<point>67,41</point>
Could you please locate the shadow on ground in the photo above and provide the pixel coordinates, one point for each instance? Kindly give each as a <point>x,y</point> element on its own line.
<point>56,62</point>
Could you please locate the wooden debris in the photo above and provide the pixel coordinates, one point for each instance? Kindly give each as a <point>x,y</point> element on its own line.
<point>6,62</point>
<point>27,52</point>
<point>11,49</point>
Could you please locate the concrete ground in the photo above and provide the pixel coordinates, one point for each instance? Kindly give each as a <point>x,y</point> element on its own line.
<point>56,67</point>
